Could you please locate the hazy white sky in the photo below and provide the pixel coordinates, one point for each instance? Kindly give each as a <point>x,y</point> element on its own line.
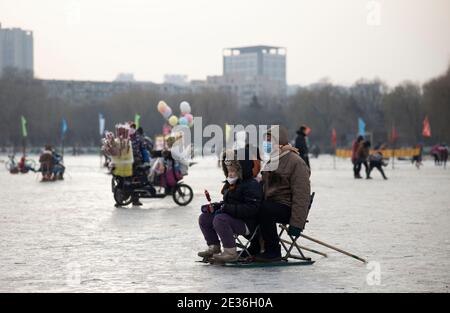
<point>343,40</point>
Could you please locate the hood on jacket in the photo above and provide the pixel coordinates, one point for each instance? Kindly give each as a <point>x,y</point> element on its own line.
<point>245,166</point>
<point>280,133</point>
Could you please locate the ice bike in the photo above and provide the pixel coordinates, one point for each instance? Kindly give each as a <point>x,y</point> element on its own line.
<point>11,163</point>
<point>125,189</point>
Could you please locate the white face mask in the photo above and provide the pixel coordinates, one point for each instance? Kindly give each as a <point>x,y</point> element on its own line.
<point>232,180</point>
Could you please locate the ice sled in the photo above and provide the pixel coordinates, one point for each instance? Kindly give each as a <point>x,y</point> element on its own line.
<point>289,244</point>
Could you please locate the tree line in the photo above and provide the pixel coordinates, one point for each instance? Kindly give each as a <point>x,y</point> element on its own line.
<point>321,106</point>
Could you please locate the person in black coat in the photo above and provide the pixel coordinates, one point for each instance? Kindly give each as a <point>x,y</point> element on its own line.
<point>236,214</point>
<point>301,145</point>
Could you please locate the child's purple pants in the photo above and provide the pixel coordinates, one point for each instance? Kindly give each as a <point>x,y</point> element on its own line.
<point>223,226</point>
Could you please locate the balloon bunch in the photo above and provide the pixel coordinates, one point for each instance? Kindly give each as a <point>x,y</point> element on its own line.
<point>186,118</point>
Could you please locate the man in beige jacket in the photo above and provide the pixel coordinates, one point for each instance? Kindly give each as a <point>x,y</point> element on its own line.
<point>286,192</point>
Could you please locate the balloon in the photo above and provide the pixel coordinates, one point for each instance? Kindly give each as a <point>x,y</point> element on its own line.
<point>185,107</point>
<point>168,113</point>
<point>166,129</point>
<point>183,121</point>
<point>189,117</point>
<point>161,106</point>
<point>173,120</point>
<point>191,124</point>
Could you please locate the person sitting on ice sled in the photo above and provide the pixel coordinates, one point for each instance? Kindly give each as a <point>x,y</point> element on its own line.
<point>286,194</point>
<point>236,214</point>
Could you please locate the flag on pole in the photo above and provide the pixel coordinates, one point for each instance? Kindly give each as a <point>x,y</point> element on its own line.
<point>24,126</point>
<point>333,137</point>
<point>393,135</point>
<point>137,120</point>
<point>361,127</point>
<point>63,127</point>
<point>101,123</point>
<point>426,132</point>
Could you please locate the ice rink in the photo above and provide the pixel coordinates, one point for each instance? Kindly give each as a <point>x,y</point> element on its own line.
<point>68,236</point>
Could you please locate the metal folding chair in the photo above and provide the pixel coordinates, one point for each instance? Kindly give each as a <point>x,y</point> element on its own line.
<point>288,246</point>
<point>244,246</point>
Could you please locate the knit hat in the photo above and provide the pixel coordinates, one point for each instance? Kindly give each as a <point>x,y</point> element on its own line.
<point>234,165</point>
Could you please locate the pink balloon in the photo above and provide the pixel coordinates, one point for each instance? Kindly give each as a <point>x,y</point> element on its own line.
<point>189,117</point>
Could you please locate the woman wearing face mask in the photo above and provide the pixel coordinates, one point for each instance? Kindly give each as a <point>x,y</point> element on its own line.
<point>236,214</point>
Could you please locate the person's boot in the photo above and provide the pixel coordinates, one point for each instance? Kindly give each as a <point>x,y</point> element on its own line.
<point>270,255</point>
<point>208,253</point>
<point>228,255</point>
<point>135,201</point>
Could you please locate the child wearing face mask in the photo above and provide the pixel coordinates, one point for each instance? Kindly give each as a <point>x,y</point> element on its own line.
<point>236,214</point>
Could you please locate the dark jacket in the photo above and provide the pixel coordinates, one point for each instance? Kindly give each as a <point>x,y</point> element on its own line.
<point>138,143</point>
<point>363,152</point>
<point>300,144</point>
<point>243,201</point>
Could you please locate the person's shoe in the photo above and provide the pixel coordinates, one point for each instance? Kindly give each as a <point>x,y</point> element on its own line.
<point>137,203</point>
<point>228,255</point>
<point>368,177</point>
<point>358,177</point>
<point>212,249</point>
<point>268,256</point>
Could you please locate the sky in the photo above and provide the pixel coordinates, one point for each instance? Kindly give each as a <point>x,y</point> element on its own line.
<point>343,41</point>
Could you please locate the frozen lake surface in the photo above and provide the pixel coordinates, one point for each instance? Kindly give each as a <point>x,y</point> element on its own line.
<point>68,236</point>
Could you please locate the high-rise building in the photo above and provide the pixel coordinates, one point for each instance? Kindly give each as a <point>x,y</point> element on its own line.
<point>16,49</point>
<point>257,71</point>
<point>266,61</point>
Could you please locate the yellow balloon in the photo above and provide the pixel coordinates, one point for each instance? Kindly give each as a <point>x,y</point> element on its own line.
<point>173,120</point>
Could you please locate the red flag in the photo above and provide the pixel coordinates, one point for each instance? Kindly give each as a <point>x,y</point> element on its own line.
<point>426,132</point>
<point>394,135</point>
<point>333,137</point>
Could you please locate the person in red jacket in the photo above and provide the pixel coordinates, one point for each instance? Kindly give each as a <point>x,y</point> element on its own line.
<point>355,146</point>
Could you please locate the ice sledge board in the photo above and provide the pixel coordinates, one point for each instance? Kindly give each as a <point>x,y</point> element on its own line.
<point>247,264</point>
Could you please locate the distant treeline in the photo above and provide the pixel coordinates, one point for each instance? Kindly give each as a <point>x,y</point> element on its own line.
<point>322,106</point>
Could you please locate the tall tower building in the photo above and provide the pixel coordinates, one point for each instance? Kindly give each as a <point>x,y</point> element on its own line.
<point>255,72</point>
<point>16,49</point>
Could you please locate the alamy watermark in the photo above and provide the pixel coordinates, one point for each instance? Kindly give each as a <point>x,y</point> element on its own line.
<point>373,17</point>
<point>373,278</point>
<point>237,141</point>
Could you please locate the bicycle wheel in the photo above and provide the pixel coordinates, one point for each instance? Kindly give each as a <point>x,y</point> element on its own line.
<point>183,194</point>
<point>122,197</point>
<point>9,165</point>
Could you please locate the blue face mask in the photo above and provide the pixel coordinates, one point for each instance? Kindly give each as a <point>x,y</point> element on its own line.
<point>267,146</point>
